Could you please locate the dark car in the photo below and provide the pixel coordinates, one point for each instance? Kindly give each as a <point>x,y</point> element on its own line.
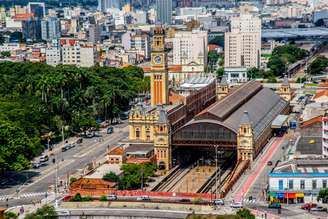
<point>274,205</point>
<point>35,165</point>
<point>184,200</point>
<point>79,141</point>
<point>110,130</point>
<point>65,148</point>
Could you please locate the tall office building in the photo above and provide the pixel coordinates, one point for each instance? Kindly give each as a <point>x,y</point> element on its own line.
<point>104,5</point>
<point>31,29</point>
<point>37,8</point>
<point>243,42</point>
<point>164,11</point>
<point>50,28</point>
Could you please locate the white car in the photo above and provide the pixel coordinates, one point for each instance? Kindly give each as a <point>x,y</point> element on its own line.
<point>62,212</point>
<point>236,205</point>
<point>218,202</point>
<point>143,198</point>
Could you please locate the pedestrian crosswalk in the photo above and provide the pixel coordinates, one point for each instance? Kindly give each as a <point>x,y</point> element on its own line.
<point>23,195</point>
<point>249,201</point>
<point>4,197</point>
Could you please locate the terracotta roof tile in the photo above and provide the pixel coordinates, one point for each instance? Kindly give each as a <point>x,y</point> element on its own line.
<point>321,93</point>
<point>90,183</point>
<point>311,121</point>
<point>116,151</point>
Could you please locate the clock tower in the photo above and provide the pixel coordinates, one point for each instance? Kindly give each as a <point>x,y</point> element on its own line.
<point>159,73</point>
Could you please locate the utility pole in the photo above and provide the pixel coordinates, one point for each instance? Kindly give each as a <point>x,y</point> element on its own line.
<point>142,172</point>
<point>216,170</point>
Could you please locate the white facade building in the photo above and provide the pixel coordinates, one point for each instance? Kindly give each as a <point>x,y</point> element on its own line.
<point>243,42</point>
<point>87,57</point>
<point>53,56</point>
<point>190,47</point>
<point>236,75</point>
<point>10,47</point>
<point>298,180</point>
<point>138,42</point>
<point>77,53</point>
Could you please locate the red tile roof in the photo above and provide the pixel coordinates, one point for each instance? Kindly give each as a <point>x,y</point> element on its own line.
<point>90,183</point>
<point>212,47</point>
<point>311,121</point>
<point>321,94</point>
<point>116,151</point>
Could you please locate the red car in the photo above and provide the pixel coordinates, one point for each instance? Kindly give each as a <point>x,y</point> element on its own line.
<point>308,206</point>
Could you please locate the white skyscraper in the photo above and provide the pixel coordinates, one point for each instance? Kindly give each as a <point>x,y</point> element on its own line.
<point>243,42</point>
<point>104,5</point>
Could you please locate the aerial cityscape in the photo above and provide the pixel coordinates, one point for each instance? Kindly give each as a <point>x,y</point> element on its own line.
<point>163,109</point>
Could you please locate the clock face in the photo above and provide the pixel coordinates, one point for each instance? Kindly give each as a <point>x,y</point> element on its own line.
<point>158,59</point>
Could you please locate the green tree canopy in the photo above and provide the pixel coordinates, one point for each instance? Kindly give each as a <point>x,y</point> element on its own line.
<point>133,174</point>
<point>45,212</point>
<point>37,99</point>
<point>218,40</point>
<point>111,176</point>
<point>282,56</point>
<point>245,213</point>
<point>5,54</point>
<point>323,195</point>
<point>318,65</point>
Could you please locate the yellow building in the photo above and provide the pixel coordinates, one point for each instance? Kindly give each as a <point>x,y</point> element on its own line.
<point>284,91</point>
<point>150,124</point>
<point>169,109</point>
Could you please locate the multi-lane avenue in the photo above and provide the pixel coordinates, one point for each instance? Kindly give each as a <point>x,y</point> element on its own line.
<point>29,183</point>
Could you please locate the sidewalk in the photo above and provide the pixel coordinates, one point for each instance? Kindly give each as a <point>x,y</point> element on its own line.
<point>23,210</point>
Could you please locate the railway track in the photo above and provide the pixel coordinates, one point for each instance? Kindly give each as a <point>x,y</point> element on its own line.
<point>226,169</point>
<point>168,184</point>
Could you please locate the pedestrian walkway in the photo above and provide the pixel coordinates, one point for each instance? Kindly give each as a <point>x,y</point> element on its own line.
<point>251,176</point>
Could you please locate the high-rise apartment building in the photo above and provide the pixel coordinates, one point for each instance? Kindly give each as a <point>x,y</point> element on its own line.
<point>243,42</point>
<point>137,41</point>
<point>104,5</point>
<point>164,11</point>
<point>77,53</point>
<point>94,35</point>
<point>190,47</point>
<point>53,56</point>
<point>50,28</point>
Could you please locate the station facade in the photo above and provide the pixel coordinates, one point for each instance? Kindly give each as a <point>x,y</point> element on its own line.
<point>203,114</point>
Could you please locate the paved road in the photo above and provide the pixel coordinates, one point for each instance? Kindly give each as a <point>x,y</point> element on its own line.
<point>126,213</point>
<point>258,168</point>
<point>69,162</point>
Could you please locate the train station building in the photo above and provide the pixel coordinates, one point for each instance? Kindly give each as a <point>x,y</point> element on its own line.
<point>200,114</point>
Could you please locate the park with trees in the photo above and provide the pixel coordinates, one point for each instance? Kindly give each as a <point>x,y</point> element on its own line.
<point>37,100</point>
